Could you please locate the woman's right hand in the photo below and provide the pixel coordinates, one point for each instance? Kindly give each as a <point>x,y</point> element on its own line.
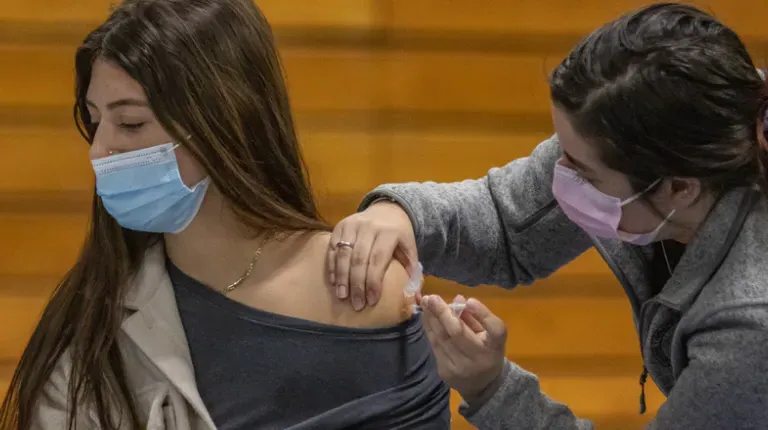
<point>377,235</point>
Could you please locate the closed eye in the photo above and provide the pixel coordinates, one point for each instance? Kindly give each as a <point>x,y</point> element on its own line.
<point>132,127</point>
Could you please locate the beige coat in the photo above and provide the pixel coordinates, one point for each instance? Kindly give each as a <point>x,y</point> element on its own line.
<point>157,361</point>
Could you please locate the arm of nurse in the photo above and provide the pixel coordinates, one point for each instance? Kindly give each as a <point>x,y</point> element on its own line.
<point>503,229</point>
<point>721,384</point>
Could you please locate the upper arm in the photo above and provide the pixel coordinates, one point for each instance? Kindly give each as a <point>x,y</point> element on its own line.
<point>725,384</point>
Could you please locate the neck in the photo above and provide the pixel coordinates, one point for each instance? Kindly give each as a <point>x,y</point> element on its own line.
<point>215,248</point>
<point>691,219</point>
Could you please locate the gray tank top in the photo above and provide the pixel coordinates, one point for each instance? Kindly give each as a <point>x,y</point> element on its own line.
<point>259,370</point>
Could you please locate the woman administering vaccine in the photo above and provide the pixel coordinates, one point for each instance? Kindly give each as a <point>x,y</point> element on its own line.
<point>658,162</point>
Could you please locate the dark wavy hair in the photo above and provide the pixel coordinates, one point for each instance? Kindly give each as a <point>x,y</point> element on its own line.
<point>668,91</point>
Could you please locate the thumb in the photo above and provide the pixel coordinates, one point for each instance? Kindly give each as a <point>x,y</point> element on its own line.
<point>493,325</point>
<point>407,257</point>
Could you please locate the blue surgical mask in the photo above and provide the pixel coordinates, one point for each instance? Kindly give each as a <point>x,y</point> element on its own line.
<point>143,190</point>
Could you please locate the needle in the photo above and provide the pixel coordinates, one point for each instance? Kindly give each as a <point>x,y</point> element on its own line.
<point>457,308</point>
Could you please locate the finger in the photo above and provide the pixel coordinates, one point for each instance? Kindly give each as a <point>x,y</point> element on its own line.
<point>407,254</point>
<point>359,266</point>
<point>472,322</point>
<point>378,261</point>
<point>463,338</point>
<point>330,256</point>
<point>440,343</point>
<point>343,257</point>
<point>442,338</point>
<point>493,325</point>
<point>444,314</point>
<point>468,318</point>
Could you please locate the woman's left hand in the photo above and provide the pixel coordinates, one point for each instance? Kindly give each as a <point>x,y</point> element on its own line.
<point>469,349</point>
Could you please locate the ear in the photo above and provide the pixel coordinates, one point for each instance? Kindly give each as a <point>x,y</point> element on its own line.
<point>682,192</point>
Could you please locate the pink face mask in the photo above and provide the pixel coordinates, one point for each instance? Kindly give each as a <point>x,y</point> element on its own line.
<point>595,212</point>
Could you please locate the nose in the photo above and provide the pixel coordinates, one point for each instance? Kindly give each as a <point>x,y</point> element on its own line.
<point>99,151</point>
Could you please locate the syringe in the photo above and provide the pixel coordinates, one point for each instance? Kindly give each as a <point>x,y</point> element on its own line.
<point>457,308</point>
<point>415,281</point>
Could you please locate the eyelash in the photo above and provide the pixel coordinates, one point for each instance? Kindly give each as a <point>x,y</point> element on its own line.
<point>132,127</point>
<point>91,128</point>
<point>580,179</point>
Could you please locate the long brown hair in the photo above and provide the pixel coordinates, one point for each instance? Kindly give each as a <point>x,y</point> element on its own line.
<point>210,68</point>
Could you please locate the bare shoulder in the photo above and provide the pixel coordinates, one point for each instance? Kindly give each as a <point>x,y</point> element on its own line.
<point>391,309</point>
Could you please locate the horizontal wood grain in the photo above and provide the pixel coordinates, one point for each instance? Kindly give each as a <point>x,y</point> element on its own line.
<point>562,15</point>
<point>399,25</point>
<point>423,156</point>
<point>48,160</point>
<point>319,13</point>
<point>38,159</point>
<point>334,80</point>
<point>553,16</point>
<point>18,319</point>
<point>40,244</point>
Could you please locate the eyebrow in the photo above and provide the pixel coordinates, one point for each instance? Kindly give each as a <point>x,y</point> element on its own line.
<point>120,103</point>
<point>577,163</point>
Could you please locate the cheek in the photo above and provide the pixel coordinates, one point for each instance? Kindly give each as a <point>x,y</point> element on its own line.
<point>191,171</point>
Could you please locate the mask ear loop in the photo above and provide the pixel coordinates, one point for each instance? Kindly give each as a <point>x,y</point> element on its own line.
<point>177,144</point>
<point>636,196</point>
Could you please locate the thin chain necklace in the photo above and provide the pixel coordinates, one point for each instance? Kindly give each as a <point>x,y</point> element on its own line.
<point>228,289</point>
<point>666,259</point>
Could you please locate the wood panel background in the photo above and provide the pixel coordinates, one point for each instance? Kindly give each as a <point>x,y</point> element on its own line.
<point>384,91</point>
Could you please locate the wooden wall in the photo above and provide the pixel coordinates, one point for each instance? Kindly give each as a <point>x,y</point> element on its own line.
<point>384,91</point>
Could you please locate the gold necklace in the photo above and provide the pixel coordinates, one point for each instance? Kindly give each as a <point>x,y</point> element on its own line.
<point>232,286</point>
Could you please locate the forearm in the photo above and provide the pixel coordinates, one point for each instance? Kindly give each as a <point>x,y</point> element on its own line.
<point>515,400</point>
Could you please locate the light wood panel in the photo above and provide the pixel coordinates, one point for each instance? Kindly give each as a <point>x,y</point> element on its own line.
<point>39,244</point>
<point>54,11</point>
<point>288,13</point>
<point>44,160</point>
<point>333,80</point>
<point>442,15</point>
<point>384,91</point>
<point>18,319</point>
<point>459,81</point>
<point>553,16</point>
<point>423,156</point>
<point>331,14</point>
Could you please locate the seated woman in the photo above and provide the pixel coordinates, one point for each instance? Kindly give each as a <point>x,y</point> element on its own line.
<point>199,300</point>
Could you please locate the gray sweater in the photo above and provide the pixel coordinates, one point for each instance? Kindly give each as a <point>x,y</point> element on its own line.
<point>704,338</point>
